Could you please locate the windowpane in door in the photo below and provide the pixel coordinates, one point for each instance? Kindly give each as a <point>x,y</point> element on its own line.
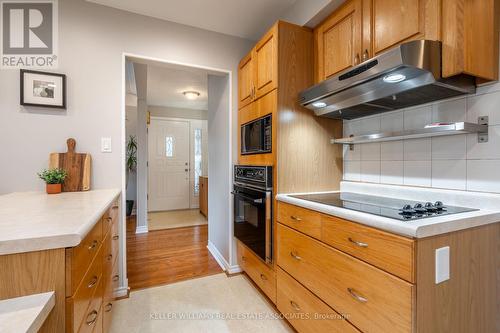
<point>169,146</point>
<point>197,160</point>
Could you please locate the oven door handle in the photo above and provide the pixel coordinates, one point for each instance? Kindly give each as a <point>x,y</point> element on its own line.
<point>259,201</point>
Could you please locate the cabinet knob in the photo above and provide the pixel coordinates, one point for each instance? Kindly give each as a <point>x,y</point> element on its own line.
<point>365,55</point>
<point>356,296</point>
<point>296,218</point>
<point>91,318</point>
<point>115,237</point>
<point>93,281</point>
<point>295,256</point>
<point>108,307</point>
<point>263,277</point>
<point>115,278</point>
<point>93,245</point>
<point>360,244</point>
<point>295,306</point>
<point>109,257</point>
<point>356,59</point>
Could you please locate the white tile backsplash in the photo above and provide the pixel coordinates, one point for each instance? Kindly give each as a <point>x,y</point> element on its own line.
<point>392,172</point>
<point>449,174</point>
<point>418,149</point>
<point>451,162</point>
<point>483,175</point>
<point>417,173</point>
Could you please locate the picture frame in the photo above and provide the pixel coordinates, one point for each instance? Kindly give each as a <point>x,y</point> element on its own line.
<point>43,89</point>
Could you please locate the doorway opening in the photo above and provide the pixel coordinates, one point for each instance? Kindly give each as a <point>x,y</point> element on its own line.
<point>168,117</point>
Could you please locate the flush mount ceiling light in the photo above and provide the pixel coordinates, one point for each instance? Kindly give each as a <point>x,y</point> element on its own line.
<point>191,94</point>
<point>319,104</point>
<point>394,78</point>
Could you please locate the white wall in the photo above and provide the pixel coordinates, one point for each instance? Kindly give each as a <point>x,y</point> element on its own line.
<point>92,39</point>
<point>161,111</point>
<point>219,170</point>
<point>453,162</point>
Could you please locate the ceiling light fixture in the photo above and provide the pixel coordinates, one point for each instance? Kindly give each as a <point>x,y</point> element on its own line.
<point>394,78</point>
<point>191,94</point>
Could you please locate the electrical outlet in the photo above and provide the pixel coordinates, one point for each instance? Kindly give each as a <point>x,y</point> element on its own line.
<point>442,264</point>
<point>106,145</point>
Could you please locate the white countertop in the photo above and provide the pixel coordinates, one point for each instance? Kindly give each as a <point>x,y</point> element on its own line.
<point>25,314</point>
<point>489,205</point>
<point>34,221</point>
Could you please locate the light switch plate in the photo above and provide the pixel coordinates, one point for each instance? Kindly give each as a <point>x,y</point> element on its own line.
<point>106,145</point>
<point>442,264</point>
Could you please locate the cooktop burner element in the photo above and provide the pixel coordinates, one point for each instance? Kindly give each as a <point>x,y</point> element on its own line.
<point>404,210</point>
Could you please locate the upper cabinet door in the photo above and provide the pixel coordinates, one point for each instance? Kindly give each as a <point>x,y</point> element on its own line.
<point>245,81</point>
<point>338,41</point>
<point>396,21</point>
<point>266,63</point>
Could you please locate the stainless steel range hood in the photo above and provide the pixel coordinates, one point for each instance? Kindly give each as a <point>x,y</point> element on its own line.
<point>407,75</point>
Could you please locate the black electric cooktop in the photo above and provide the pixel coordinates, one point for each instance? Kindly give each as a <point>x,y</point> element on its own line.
<point>404,210</point>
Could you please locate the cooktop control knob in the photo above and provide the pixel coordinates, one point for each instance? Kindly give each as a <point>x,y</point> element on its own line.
<point>407,209</point>
<point>419,208</point>
<point>429,206</point>
<point>438,205</point>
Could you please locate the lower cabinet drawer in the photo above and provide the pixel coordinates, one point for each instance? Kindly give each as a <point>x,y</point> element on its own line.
<point>88,290</point>
<point>258,271</point>
<point>92,322</point>
<point>373,300</point>
<point>301,219</point>
<point>306,312</point>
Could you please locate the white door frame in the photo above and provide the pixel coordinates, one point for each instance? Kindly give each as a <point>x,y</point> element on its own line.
<point>123,289</point>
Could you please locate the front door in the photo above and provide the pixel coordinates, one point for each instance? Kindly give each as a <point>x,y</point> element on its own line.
<point>168,165</point>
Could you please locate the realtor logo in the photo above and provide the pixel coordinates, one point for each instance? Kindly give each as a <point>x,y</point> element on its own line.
<point>28,34</point>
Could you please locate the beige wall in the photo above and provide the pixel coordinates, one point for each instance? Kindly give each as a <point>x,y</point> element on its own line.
<point>92,39</point>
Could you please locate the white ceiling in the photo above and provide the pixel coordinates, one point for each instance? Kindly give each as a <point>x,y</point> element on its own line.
<point>243,18</point>
<point>166,84</point>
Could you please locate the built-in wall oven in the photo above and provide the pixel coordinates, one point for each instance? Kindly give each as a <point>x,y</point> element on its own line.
<point>256,136</point>
<point>253,209</point>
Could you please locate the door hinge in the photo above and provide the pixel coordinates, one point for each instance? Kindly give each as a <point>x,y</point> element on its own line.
<point>147,164</point>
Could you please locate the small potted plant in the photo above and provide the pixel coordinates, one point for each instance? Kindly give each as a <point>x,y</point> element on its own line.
<point>54,179</point>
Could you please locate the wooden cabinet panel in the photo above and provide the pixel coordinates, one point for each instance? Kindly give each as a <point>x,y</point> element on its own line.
<point>389,252</point>
<point>245,80</point>
<point>258,271</point>
<point>338,41</point>
<point>306,312</point>
<point>303,220</point>
<point>395,21</point>
<point>266,63</point>
<point>347,284</point>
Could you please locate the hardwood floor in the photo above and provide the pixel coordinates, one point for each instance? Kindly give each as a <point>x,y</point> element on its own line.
<point>167,256</point>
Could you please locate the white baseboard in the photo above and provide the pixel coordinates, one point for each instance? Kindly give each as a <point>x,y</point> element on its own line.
<point>142,229</point>
<point>222,261</point>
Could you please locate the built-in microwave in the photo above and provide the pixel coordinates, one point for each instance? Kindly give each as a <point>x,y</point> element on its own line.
<point>256,137</point>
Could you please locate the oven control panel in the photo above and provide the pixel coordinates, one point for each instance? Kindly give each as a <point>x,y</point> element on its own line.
<point>253,174</point>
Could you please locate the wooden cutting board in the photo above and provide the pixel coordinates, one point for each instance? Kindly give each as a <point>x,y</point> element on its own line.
<point>77,165</point>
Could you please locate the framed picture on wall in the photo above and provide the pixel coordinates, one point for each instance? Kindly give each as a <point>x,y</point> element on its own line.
<point>43,89</point>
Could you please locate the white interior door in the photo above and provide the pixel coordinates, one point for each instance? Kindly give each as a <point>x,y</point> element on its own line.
<point>168,165</point>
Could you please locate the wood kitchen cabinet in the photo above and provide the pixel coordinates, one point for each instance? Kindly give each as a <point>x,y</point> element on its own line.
<point>382,281</point>
<point>258,70</point>
<point>361,29</point>
<point>338,41</point>
<point>204,196</point>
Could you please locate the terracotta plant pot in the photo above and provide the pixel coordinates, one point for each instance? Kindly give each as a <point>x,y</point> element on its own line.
<point>54,188</point>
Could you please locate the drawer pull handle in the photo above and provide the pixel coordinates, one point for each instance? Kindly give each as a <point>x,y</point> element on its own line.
<point>296,218</point>
<point>360,244</point>
<point>108,307</point>
<point>295,306</point>
<point>115,237</point>
<point>93,245</point>
<point>115,206</point>
<point>93,281</point>
<point>263,277</point>
<point>109,219</point>
<point>295,256</point>
<point>243,258</point>
<point>92,315</point>
<point>116,277</point>
<point>356,296</point>
<point>109,257</point>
